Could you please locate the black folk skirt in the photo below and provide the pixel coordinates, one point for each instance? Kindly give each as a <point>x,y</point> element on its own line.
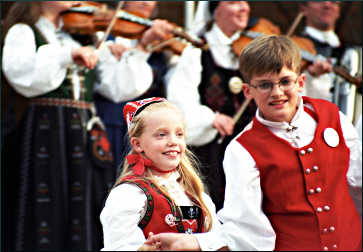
<point>61,191</point>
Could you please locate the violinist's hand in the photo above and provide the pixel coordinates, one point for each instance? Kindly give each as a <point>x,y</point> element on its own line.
<point>174,242</point>
<point>117,50</point>
<point>224,124</point>
<point>85,56</point>
<point>159,31</point>
<point>320,67</point>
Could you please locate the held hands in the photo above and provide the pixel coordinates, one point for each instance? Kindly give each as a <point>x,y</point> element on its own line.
<point>224,124</point>
<point>85,56</point>
<point>320,67</point>
<point>172,242</point>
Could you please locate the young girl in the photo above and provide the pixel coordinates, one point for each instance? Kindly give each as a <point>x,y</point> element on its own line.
<point>159,189</point>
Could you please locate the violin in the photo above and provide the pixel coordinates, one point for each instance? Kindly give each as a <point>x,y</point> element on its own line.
<point>90,17</point>
<point>262,27</point>
<point>308,54</point>
<point>307,48</point>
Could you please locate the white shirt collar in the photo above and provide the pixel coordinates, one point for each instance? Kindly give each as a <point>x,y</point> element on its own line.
<point>51,33</point>
<point>220,46</point>
<point>168,180</point>
<point>46,24</point>
<point>282,125</point>
<point>329,37</point>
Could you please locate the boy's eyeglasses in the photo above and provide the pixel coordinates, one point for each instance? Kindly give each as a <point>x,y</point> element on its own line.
<point>284,84</point>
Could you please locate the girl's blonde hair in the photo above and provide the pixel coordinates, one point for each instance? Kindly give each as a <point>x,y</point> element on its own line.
<point>190,177</point>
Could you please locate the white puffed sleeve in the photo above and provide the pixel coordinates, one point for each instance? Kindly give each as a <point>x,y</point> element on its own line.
<point>182,81</point>
<point>124,208</point>
<point>124,79</point>
<point>33,72</point>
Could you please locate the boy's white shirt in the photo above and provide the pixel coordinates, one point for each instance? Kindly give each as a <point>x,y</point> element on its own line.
<point>245,226</point>
<point>126,206</point>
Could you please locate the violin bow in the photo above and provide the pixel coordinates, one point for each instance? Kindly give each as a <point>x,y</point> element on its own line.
<point>237,116</point>
<point>295,23</point>
<point>111,24</point>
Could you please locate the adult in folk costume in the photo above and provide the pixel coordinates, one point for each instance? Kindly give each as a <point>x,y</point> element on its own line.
<point>65,161</point>
<point>143,72</point>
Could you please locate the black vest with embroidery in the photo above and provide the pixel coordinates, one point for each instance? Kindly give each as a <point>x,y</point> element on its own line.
<point>215,93</point>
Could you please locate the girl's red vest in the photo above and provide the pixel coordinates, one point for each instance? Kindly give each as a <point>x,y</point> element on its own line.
<point>161,214</point>
<point>305,190</point>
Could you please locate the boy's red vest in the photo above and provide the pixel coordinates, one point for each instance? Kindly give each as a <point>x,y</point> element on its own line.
<point>305,190</point>
<point>161,214</point>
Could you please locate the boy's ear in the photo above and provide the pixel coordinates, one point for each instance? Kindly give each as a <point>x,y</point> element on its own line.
<point>301,82</point>
<point>247,90</point>
<point>135,143</point>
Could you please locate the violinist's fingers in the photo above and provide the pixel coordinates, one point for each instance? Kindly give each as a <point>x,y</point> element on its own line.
<point>85,56</point>
<point>93,59</point>
<point>160,30</point>
<point>117,50</point>
<point>319,67</point>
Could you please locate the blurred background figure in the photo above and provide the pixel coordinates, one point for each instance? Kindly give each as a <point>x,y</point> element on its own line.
<point>320,24</point>
<point>143,74</point>
<point>56,186</point>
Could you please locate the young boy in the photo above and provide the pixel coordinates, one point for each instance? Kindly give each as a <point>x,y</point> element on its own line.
<point>289,172</point>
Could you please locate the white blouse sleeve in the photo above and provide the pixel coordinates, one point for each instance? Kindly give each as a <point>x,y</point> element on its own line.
<point>33,72</point>
<point>354,174</point>
<point>182,81</point>
<point>212,208</point>
<point>124,79</point>
<point>244,225</point>
<point>124,208</point>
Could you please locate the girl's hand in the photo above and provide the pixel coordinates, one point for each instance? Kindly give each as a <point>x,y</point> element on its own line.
<point>85,56</point>
<point>174,242</point>
<point>149,246</point>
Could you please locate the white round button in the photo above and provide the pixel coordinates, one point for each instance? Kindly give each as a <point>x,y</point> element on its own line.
<point>331,137</point>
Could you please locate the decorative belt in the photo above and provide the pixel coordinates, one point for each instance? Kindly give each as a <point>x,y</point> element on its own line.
<point>61,102</point>
<point>73,104</point>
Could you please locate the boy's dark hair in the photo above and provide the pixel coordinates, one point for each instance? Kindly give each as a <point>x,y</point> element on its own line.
<point>269,54</point>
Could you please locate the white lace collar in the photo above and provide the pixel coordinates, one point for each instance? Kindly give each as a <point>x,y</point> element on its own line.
<point>175,190</point>
<point>329,37</point>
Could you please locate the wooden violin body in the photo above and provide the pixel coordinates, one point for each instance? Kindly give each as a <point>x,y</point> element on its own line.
<point>262,27</point>
<point>90,17</point>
